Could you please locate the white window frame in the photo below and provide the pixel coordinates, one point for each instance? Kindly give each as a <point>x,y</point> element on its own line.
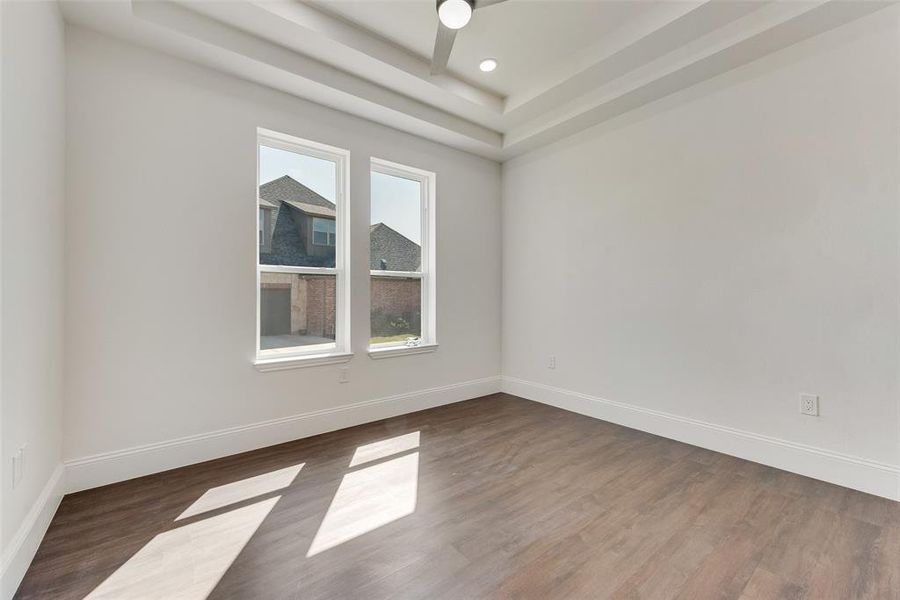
<point>319,354</point>
<point>427,270</point>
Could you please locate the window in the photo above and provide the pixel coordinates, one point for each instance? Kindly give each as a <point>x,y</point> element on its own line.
<point>401,259</point>
<point>302,288</point>
<point>323,231</point>
<point>265,230</point>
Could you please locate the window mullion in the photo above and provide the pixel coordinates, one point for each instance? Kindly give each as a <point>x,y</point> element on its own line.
<point>398,274</point>
<point>298,270</point>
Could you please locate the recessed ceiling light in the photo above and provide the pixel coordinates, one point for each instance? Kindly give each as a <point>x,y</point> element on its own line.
<point>488,65</point>
<point>454,14</point>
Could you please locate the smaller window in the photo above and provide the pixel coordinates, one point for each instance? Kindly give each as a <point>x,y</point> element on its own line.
<point>323,232</point>
<point>401,257</point>
<point>265,230</point>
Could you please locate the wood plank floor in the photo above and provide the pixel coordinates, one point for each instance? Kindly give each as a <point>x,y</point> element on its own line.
<point>492,498</point>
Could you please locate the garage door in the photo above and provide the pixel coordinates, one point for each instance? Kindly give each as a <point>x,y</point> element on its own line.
<point>275,311</point>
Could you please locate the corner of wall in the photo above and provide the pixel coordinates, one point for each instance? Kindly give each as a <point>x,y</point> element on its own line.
<point>18,554</point>
<point>848,471</point>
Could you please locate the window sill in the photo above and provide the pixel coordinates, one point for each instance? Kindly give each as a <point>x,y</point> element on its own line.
<point>299,362</point>
<point>390,352</point>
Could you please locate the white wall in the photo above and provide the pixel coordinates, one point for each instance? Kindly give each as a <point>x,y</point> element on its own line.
<point>160,304</point>
<point>33,162</point>
<point>716,254</point>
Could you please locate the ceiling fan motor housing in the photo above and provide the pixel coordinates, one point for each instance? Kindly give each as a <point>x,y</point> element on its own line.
<point>455,14</point>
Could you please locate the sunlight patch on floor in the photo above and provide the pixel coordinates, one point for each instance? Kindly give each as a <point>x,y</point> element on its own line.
<point>367,499</point>
<point>245,489</point>
<point>385,448</point>
<point>185,563</point>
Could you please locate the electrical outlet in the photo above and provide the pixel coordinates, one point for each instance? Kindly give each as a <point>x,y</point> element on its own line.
<point>551,364</point>
<point>809,405</point>
<point>18,465</point>
<point>344,375</point>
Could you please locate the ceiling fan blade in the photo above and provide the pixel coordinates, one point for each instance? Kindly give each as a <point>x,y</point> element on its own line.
<point>486,3</point>
<point>443,44</point>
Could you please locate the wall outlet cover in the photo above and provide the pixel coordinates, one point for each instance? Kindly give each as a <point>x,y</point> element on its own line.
<point>809,405</point>
<point>18,465</point>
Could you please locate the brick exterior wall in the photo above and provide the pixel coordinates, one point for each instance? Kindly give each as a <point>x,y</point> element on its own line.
<point>396,306</point>
<point>320,306</point>
<point>396,295</point>
<point>313,303</point>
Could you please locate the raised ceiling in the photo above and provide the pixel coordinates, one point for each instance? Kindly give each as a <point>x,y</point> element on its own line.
<point>525,36</point>
<point>564,64</point>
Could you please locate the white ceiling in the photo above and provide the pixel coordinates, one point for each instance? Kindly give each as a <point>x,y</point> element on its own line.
<point>526,36</point>
<point>564,64</point>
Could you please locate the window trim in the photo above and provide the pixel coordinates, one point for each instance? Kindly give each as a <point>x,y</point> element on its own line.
<point>339,351</point>
<point>427,272</point>
<point>297,362</point>
<point>379,351</point>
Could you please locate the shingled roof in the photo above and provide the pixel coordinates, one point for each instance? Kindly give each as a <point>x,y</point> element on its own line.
<point>390,250</point>
<point>290,191</point>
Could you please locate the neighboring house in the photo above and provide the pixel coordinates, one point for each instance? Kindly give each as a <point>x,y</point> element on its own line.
<point>296,225</point>
<point>392,251</point>
<point>297,228</point>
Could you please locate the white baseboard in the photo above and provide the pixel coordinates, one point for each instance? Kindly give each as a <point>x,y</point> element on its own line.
<point>849,471</point>
<point>101,469</point>
<point>21,548</point>
<point>865,475</point>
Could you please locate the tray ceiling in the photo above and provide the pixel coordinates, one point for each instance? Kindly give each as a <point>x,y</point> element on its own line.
<point>564,64</point>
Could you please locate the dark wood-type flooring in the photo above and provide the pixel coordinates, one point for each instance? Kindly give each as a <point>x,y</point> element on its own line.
<point>500,498</point>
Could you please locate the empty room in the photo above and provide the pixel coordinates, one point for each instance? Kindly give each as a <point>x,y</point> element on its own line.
<point>450,299</point>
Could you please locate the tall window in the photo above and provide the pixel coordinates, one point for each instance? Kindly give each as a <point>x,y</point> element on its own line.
<point>302,240</point>
<point>401,257</point>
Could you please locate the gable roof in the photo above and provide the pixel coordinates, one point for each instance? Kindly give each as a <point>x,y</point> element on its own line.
<point>312,209</point>
<point>398,252</point>
<point>388,249</point>
<point>296,195</point>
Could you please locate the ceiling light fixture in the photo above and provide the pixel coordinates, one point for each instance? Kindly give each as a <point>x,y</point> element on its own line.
<point>488,65</point>
<point>454,14</point>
